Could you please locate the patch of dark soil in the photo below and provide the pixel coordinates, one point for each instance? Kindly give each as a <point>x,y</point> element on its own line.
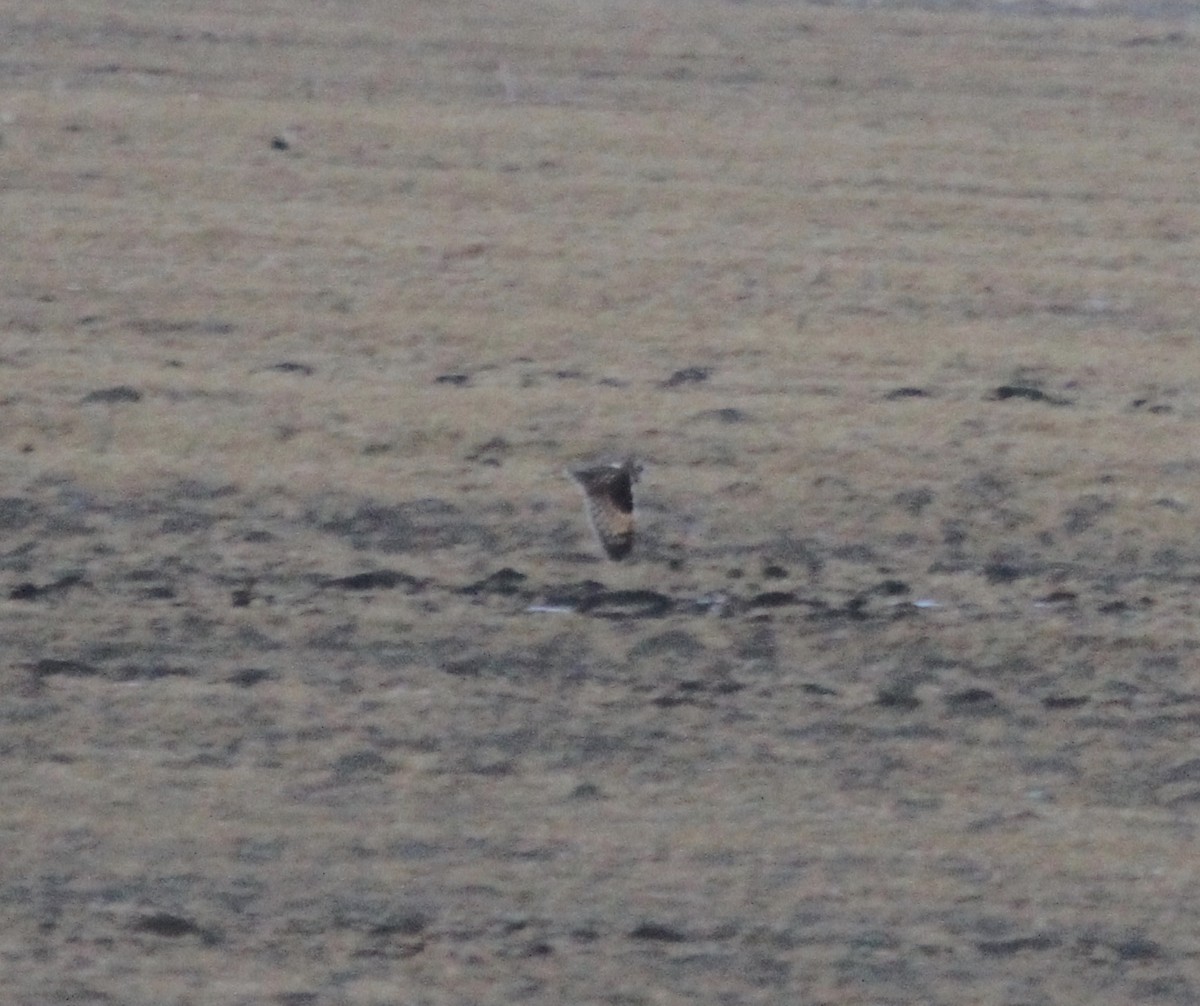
<point>359,763</point>
<point>187,522</point>
<point>572,595</point>
<point>803,552</point>
<point>899,696</point>
<point>490,452</point>
<point>619,604</point>
<point>291,367</point>
<point>1008,392</point>
<point>698,692</point>
<point>1003,572</point>
<point>974,702</point>
<point>1167,38</point>
<point>1065,701</point>
<point>658,932</point>
<point>477,665</point>
<point>376,579</point>
<point>16,513</point>
<point>675,646</point>
<point>453,380</point>
<point>759,642</point>
<point>1123,607</point>
<point>48,666</point>
<point>506,582</point>
<point>248,677</point>
<point>914,501</point>
<point>109,396</point>
<point>150,672</point>
<point>688,375</point>
<point>168,326</point>
<point>172,926</point>
<point>1137,948</point>
<point>1065,597</point>
<point>772,599</point>
<point>1187,771</point>
<point>417,526</point>
<point>1144,404</point>
<point>860,608</point>
<point>728,415</point>
<point>32,592</point>
<point>856,552</point>
<point>197,490</point>
<point>1084,514</point>
<point>1037,943</point>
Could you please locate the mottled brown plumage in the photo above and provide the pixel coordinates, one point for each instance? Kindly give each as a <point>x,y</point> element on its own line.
<point>608,495</point>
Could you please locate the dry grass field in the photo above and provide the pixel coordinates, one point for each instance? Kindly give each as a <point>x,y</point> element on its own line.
<point>316,690</point>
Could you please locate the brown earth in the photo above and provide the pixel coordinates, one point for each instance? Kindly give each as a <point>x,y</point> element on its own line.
<point>316,689</point>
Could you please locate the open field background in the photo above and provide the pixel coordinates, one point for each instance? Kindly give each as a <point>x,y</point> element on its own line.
<point>315,690</point>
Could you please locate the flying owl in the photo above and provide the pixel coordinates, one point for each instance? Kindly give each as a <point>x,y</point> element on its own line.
<point>608,496</point>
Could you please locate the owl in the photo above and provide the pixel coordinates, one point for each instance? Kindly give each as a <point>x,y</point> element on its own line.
<point>608,496</point>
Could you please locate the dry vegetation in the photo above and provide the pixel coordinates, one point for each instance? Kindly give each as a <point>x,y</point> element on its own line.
<point>897,701</point>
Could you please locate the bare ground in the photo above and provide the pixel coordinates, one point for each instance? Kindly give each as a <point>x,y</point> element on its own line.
<point>316,691</point>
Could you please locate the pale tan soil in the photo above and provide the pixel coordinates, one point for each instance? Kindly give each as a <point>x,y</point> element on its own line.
<point>897,702</point>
